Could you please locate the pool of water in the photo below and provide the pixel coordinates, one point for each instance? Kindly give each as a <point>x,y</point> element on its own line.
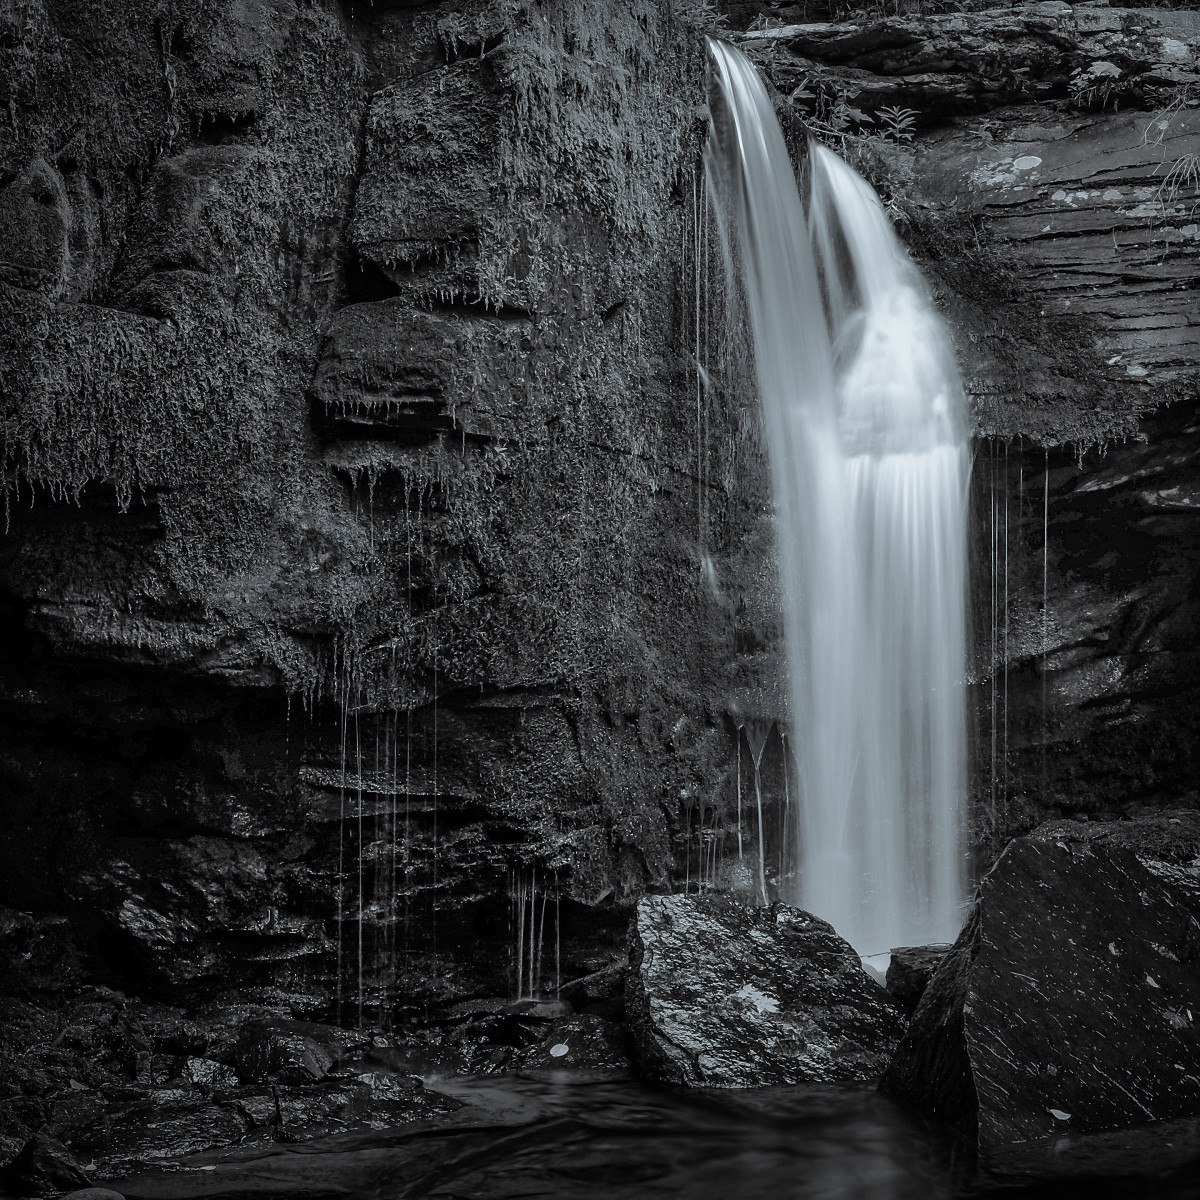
<point>571,1136</point>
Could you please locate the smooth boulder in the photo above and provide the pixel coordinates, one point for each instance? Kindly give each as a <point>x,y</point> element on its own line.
<point>1070,1003</point>
<point>720,994</point>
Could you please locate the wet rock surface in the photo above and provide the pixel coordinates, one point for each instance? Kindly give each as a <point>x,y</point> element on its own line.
<point>1095,637</point>
<point>720,994</point>
<point>43,1166</point>
<point>1071,1001</point>
<point>944,64</point>
<point>909,972</point>
<point>96,1085</point>
<point>513,1037</point>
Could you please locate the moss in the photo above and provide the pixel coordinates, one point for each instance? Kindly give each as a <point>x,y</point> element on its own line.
<point>523,177</point>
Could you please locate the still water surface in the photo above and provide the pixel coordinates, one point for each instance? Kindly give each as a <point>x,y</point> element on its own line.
<point>571,1136</point>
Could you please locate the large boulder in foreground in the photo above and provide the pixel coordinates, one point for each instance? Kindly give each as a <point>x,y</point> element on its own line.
<point>723,995</point>
<point>1071,1001</point>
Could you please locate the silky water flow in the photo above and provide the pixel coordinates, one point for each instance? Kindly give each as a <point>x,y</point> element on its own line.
<point>864,416</point>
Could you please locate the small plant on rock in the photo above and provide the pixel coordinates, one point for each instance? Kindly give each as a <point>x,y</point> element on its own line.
<point>897,124</point>
<point>1183,173</point>
<point>1098,83</point>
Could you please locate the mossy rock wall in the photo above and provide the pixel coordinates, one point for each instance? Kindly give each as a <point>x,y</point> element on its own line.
<point>372,543</point>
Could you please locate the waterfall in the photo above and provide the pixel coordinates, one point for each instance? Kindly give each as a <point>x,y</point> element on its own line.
<point>864,417</point>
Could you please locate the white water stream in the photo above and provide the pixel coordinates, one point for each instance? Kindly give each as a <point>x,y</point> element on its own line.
<point>864,417</point>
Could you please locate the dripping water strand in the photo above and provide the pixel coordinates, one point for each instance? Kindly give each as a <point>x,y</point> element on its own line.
<point>741,856</point>
<point>1045,608</point>
<point>696,236</point>
<point>1004,788</point>
<point>787,810</point>
<point>434,852</point>
<point>992,655</point>
<point>361,915</point>
<point>757,733</point>
<point>341,870</point>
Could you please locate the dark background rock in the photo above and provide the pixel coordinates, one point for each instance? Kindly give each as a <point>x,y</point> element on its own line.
<point>720,994</point>
<point>601,993</point>
<point>1068,1003</point>
<point>44,1165</point>
<point>910,970</point>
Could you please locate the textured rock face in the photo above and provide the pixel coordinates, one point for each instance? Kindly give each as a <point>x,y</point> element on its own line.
<point>1086,212</point>
<point>1093,635</point>
<point>110,1083</point>
<point>955,62</point>
<point>723,995</point>
<point>1071,1000</point>
<point>345,359</point>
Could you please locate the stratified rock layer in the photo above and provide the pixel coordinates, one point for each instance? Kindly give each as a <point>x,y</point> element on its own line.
<point>1056,219</point>
<point>723,995</point>
<point>1071,1000</point>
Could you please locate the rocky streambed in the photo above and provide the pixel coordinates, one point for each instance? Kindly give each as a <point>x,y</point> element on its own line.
<point>1059,1037</point>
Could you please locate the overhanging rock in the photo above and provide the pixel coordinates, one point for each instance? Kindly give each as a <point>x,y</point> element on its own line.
<point>1071,1001</point>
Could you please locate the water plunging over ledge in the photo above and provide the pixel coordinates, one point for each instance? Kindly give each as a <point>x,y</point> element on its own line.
<point>864,416</point>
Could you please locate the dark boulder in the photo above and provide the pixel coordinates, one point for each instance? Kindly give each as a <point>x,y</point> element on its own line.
<point>44,1165</point>
<point>910,971</point>
<point>1071,1000</point>
<point>296,1052</point>
<point>346,1102</point>
<point>160,1126</point>
<point>602,993</point>
<point>723,995</point>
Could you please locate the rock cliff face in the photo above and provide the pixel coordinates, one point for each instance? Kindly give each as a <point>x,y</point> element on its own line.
<point>358,485</point>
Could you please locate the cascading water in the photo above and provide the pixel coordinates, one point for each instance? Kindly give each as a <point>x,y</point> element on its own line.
<point>864,416</point>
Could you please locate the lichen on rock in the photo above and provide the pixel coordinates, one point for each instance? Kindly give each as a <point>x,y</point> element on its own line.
<point>720,994</point>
